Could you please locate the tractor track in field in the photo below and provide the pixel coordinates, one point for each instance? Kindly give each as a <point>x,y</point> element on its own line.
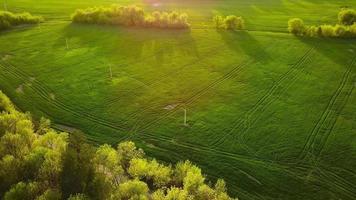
<point>134,115</point>
<point>44,93</point>
<point>197,95</point>
<point>142,59</point>
<point>159,79</point>
<point>296,170</point>
<point>336,181</point>
<point>328,117</point>
<point>200,92</point>
<point>280,86</point>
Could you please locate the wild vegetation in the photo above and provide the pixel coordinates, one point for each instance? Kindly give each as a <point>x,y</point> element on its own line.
<point>37,162</point>
<point>131,16</point>
<point>9,19</point>
<point>345,29</point>
<point>230,22</point>
<point>347,16</point>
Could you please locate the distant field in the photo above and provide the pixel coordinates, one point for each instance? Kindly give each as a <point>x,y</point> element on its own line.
<point>272,114</point>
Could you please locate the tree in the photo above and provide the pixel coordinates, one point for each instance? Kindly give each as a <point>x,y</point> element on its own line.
<point>347,17</point>
<point>230,22</point>
<point>127,151</point>
<point>296,26</point>
<point>23,191</point>
<point>107,161</point>
<point>77,170</point>
<point>233,22</point>
<point>151,171</point>
<point>43,164</point>
<point>133,190</point>
<point>218,21</point>
<point>327,31</point>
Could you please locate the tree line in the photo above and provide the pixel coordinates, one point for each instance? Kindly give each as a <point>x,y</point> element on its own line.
<point>9,19</point>
<point>346,27</point>
<point>230,22</point>
<point>38,162</point>
<point>131,16</point>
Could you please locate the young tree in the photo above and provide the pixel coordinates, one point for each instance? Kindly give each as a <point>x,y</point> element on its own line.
<point>347,17</point>
<point>77,167</point>
<point>127,151</point>
<point>296,26</point>
<point>132,189</point>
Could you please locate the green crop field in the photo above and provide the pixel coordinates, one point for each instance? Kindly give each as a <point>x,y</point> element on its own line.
<point>271,113</point>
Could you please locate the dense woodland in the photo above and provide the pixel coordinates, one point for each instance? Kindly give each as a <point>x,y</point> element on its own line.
<point>38,162</point>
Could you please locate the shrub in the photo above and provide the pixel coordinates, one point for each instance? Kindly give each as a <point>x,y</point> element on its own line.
<point>347,17</point>
<point>230,22</point>
<point>219,21</point>
<point>234,23</point>
<point>327,31</point>
<point>130,16</point>
<point>296,26</point>
<point>8,19</point>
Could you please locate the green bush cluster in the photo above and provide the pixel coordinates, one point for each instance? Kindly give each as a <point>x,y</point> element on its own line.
<point>230,22</point>
<point>8,19</point>
<point>347,17</point>
<point>131,16</point>
<point>39,163</point>
<point>345,29</point>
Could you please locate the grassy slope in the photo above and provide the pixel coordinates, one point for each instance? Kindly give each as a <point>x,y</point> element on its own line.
<point>272,114</point>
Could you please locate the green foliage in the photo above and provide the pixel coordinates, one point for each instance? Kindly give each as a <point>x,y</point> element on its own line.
<point>132,189</point>
<point>9,19</point>
<point>153,171</point>
<point>296,26</point>
<point>347,17</point>
<point>131,16</point>
<point>230,22</point>
<point>346,28</point>
<point>78,197</point>
<point>37,162</point>
<point>77,173</point>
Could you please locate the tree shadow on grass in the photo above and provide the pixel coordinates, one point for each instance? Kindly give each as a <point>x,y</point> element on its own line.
<point>244,41</point>
<point>340,51</point>
<point>130,43</point>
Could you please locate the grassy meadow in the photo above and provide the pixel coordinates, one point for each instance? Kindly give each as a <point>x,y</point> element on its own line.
<point>271,113</point>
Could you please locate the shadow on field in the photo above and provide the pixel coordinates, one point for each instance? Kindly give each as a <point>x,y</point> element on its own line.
<point>130,43</point>
<point>242,40</point>
<point>340,51</point>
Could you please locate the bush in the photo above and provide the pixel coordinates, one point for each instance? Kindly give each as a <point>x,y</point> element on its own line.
<point>130,16</point>
<point>8,19</point>
<point>296,26</point>
<point>230,22</point>
<point>347,17</point>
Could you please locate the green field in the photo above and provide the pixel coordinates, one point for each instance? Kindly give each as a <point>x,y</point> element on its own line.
<point>272,114</point>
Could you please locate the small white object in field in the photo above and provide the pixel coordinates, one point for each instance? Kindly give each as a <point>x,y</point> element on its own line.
<point>170,107</point>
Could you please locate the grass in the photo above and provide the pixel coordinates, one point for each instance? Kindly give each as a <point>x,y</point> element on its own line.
<point>272,114</point>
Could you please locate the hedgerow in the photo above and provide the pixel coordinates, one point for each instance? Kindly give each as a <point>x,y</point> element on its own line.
<point>130,16</point>
<point>9,19</point>
<point>37,162</point>
<point>230,22</point>
<point>345,29</point>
